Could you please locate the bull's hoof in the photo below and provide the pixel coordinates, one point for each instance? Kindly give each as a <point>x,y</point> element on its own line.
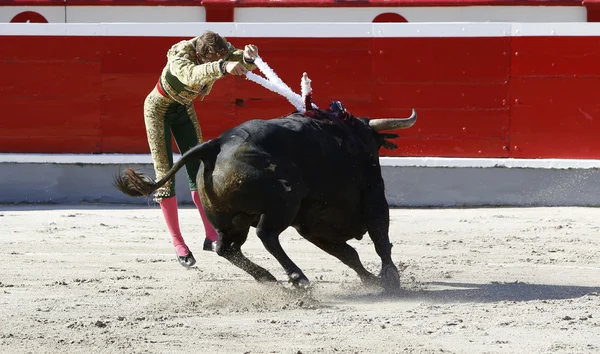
<point>299,280</point>
<point>188,260</point>
<point>209,245</point>
<point>390,279</point>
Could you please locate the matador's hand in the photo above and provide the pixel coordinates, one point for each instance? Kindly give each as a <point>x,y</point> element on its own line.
<point>250,52</point>
<point>235,68</point>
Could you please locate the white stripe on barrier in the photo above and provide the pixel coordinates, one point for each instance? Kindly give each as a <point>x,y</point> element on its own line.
<point>175,13</point>
<point>93,159</point>
<point>154,14</point>
<point>249,30</point>
<point>555,29</point>
<point>494,13</point>
<point>307,30</point>
<point>446,162</point>
<point>439,162</point>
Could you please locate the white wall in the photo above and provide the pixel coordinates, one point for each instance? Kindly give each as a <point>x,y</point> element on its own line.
<point>416,14</point>
<point>152,14</point>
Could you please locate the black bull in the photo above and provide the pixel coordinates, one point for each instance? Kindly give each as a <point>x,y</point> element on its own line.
<point>320,175</point>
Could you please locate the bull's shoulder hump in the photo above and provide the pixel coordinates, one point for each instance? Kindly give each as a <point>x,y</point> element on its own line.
<point>282,122</point>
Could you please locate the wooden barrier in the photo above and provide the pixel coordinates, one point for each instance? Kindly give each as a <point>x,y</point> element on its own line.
<point>257,11</point>
<point>481,90</point>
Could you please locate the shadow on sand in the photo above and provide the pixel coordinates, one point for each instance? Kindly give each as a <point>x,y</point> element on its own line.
<point>442,292</point>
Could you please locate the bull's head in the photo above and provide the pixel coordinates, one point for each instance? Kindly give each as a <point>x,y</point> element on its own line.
<point>377,126</point>
<point>383,124</point>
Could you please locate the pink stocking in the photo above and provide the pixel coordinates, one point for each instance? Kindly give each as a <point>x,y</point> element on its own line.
<point>211,233</point>
<point>169,209</point>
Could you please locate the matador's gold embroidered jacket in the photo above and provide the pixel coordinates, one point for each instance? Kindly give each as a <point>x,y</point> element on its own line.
<point>184,77</point>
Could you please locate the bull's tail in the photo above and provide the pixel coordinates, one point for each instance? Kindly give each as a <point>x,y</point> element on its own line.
<point>137,184</point>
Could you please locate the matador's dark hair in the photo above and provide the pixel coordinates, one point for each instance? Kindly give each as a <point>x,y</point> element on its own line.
<point>211,43</point>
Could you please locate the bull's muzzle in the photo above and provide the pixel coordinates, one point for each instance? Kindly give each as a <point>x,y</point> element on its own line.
<point>393,123</point>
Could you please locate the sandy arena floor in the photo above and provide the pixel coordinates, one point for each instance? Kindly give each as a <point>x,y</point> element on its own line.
<point>103,279</point>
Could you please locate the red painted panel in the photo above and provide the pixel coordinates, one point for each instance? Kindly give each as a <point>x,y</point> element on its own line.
<point>453,124</point>
<point>246,90</point>
<point>48,144</point>
<point>313,46</point>
<point>55,131</point>
<point>453,132</point>
<point>219,11</point>
<point>50,103</point>
<point>464,96</point>
<point>331,79</point>
<point>216,117</point>
<point>133,55</point>
<point>48,48</point>
<point>131,138</point>
<point>593,10</point>
<point>441,59</point>
<point>449,147</point>
<point>50,125</point>
<point>122,107</point>
<point>555,117</point>
<point>50,79</point>
<point>49,113</point>
<point>338,68</point>
<point>561,132</point>
<point>567,91</point>
<point>137,144</point>
<point>263,109</point>
<point>54,93</point>
<point>556,56</point>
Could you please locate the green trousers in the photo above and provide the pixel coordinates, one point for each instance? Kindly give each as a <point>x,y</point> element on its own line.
<point>165,120</point>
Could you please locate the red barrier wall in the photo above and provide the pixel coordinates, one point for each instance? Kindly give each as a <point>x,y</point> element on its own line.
<point>476,97</point>
<point>554,106</point>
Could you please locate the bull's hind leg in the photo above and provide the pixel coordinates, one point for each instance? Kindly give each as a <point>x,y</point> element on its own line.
<point>268,230</point>
<point>229,247</point>
<point>348,255</point>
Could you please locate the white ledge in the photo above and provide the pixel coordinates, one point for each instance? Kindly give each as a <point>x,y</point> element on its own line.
<point>438,162</point>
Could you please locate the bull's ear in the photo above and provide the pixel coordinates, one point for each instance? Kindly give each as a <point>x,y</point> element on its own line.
<point>389,135</point>
<point>388,144</point>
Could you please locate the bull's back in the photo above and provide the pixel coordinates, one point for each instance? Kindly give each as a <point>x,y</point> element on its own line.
<point>319,149</point>
<point>311,152</point>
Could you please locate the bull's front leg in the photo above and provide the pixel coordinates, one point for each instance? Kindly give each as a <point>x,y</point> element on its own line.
<point>345,253</point>
<point>229,247</point>
<point>377,215</point>
<point>268,230</point>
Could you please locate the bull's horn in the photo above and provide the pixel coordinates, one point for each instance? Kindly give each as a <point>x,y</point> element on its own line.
<point>393,123</point>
